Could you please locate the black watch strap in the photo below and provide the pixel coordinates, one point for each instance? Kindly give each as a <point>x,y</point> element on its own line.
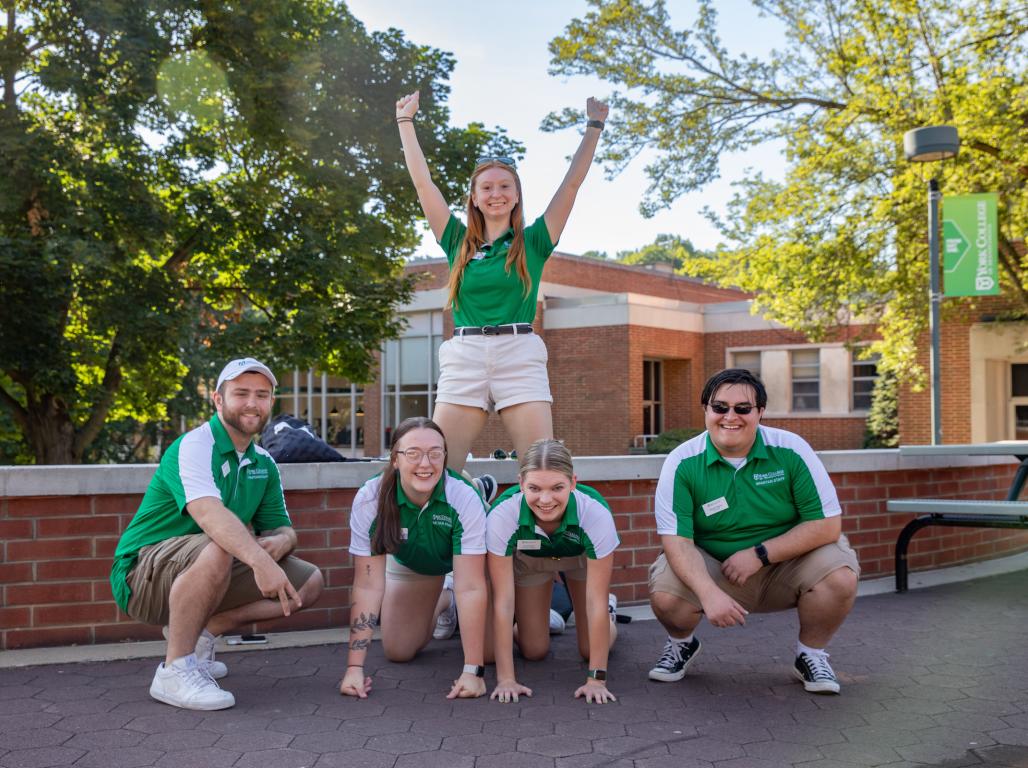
<point>761,551</point>
<point>474,669</point>
<point>595,124</point>
<point>597,674</point>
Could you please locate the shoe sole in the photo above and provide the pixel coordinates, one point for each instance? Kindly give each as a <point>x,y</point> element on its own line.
<point>159,696</point>
<point>673,677</point>
<point>810,687</point>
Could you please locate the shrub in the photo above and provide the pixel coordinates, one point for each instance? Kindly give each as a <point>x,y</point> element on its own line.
<point>670,439</point>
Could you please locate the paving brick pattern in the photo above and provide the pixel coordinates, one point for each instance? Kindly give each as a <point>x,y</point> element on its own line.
<point>932,678</point>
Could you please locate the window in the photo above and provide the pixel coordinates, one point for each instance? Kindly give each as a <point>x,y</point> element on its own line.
<point>333,406</point>
<point>865,373</point>
<point>653,406</point>
<point>410,371</point>
<point>806,380</point>
<point>749,361</point>
<point>1019,398</point>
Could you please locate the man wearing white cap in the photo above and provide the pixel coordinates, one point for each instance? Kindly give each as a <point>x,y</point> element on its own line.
<point>189,559</point>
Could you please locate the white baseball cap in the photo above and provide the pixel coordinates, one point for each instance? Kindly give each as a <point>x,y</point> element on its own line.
<point>245,365</point>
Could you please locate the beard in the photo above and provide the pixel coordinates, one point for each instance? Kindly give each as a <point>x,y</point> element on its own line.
<point>234,419</point>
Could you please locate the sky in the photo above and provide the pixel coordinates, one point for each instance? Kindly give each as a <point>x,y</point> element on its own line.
<point>501,49</point>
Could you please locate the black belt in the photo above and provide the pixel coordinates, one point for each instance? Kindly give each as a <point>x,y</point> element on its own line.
<point>493,330</point>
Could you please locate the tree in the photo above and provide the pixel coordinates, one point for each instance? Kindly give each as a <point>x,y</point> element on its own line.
<point>190,181</point>
<point>601,255</point>
<point>843,235</point>
<point>666,249</point>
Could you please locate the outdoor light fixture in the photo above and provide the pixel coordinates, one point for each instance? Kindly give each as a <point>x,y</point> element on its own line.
<point>925,145</point>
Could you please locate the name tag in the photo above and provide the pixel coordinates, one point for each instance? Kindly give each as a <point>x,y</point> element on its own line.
<point>715,506</point>
<point>225,469</point>
<point>403,534</point>
<point>529,544</point>
<point>478,256</point>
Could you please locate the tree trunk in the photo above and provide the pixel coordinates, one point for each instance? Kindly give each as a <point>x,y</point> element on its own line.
<point>51,433</point>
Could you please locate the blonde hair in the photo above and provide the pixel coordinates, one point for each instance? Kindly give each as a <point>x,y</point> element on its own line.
<point>474,238</point>
<point>547,454</point>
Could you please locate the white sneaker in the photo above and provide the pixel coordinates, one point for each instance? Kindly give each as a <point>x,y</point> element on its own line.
<point>612,606</point>
<point>204,651</point>
<point>556,623</point>
<point>446,624</point>
<point>185,684</point>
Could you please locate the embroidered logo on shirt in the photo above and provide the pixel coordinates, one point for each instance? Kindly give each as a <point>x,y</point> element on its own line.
<point>769,478</point>
<point>573,536</point>
<point>443,520</point>
<point>256,473</point>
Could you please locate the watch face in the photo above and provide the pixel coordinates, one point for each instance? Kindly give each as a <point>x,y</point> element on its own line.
<point>598,674</point>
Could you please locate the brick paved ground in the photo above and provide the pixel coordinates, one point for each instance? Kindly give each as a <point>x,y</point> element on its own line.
<point>935,677</point>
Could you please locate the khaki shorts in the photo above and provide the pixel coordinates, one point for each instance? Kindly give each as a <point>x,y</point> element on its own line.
<point>533,571</point>
<point>160,564</point>
<point>493,372</point>
<point>776,587</point>
<point>397,571</point>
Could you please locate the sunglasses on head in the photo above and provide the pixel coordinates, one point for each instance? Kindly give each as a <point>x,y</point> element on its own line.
<point>502,159</point>
<point>722,408</point>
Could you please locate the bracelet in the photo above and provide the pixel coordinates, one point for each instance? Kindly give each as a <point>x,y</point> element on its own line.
<point>405,120</point>
<point>355,666</point>
<point>595,124</point>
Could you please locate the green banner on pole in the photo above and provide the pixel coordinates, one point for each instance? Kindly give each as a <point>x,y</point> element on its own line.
<point>969,232</point>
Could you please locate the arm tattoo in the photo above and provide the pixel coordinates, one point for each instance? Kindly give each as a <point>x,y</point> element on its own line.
<point>360,645</point>
<point>363,622</point>
<point>368,571</point>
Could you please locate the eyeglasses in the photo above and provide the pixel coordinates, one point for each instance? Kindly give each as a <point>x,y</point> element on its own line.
<point>722,408</point>
<point>502,159</point>
<point>415,455</point>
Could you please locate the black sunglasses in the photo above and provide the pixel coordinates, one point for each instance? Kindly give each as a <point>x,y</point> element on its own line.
<point>722,408</point>
<point>502,159</point>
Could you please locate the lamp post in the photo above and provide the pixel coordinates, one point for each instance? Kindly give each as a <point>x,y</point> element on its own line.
<point>925,145</point>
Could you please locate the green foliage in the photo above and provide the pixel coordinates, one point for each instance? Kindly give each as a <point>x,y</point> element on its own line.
<point>600,255</point>
<point>666,249</point>
<point>843,235</point>
<point>670,439</point>
<point>186,182</point>
<point>882,429</point>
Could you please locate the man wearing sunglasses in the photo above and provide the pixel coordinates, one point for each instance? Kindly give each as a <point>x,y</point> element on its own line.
<point>749,521</point>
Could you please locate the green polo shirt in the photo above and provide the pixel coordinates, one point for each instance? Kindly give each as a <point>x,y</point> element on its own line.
<point>489,294</point>
<point>586,528</point>
<point>202,462</point>
<point>703,497</point>
<point>452,522</point>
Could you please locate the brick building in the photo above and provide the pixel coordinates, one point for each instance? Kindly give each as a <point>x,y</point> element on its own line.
<point>629,350</point>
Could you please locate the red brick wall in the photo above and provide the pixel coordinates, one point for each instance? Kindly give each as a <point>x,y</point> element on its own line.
<point>56,551</point>
<point>915,408</point>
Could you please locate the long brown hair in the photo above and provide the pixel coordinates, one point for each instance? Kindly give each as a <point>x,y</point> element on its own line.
<point>474,238</point>
<point>386,538</point>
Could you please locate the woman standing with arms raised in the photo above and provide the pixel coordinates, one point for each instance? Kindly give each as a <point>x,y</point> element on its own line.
<point>494,361</point>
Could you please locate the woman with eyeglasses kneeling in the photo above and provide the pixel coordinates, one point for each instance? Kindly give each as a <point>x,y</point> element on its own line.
<point>409,526</point>
<point>547,524</point>
<point>494,361</point>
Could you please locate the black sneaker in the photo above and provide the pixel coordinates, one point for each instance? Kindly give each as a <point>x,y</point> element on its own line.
<point>486,485</point>
<point>816,674</point>
<point>674,661</point>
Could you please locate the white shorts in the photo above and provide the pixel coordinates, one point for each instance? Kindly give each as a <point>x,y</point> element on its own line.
<point>493,372</point>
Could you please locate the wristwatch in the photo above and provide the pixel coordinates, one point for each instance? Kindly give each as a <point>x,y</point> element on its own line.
<point>761,551</point>
<point>474,669</point>
<point>597,674</point>
<point>595,124</point>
